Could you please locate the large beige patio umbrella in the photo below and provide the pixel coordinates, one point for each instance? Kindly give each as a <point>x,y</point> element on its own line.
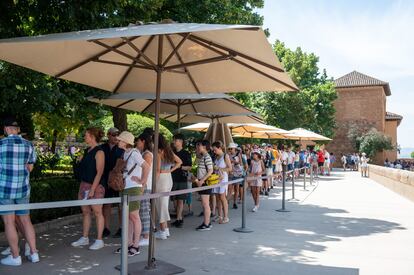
<point>157,58</point>
<point>303,134</point>
<point>185,108</point>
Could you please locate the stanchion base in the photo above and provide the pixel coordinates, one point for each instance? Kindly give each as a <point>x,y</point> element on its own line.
<point>282,210</point>
<point>294,199</point>
<point>162,267</point>
<point>242,230</point>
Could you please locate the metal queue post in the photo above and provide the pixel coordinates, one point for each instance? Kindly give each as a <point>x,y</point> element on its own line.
<point>283,209</point>
<point>243,228</point>
<point>304,179</point>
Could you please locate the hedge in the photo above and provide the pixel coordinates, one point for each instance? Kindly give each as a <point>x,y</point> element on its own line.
<point>53,189</point>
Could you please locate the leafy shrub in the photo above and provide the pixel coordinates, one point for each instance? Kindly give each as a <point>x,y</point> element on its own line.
<point>373,142</point>
<point>137,124</point>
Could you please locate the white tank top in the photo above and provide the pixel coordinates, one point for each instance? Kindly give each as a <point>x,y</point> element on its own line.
<point>149,179</point>
<point>221,163</point>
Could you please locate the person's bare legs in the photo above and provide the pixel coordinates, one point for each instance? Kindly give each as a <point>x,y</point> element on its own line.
<point>136,227</point>
<point>29,232</point>
<point>219,206</point>
<point>180,208</point>
<point>97,210</point>
<point>86,220</point>
<point>213,205</point>
<point>231,191</point>
<point>107,209</point>
<point>11,233</point>
<point>205,200</point>
<point>224,206</point>
<point>236,192</point>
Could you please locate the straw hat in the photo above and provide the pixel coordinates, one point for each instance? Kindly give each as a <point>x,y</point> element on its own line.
<point>232,145</point>
<point>126,137</point>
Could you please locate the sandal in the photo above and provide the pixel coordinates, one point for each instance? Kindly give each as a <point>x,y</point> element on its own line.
<point>224,221</point>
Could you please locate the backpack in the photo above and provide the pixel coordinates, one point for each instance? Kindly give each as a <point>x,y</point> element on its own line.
<point>116,176</point>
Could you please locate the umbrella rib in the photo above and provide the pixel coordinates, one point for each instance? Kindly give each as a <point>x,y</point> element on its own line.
<point>175,48</point>
<point>264,74</point>
<point>141,53</point>
<point>185,68</point>
<point>80,64</point>
<point>201,62</point>
<point>123,64</point>
<point>208,46</point>
<point>115,50</point>
<point>148,106</point>
<point>255,60</point>
<point>124,103</point>
<point>121,81</point>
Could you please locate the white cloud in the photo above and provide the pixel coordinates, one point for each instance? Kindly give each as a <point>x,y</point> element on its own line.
<point>375,38</point>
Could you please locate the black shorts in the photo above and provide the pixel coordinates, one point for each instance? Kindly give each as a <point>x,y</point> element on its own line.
<point>320,164</point>
<point>179,186</point>
<point>205,192</point>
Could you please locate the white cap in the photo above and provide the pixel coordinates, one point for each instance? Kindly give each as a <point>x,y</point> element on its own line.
<point>232,145</point>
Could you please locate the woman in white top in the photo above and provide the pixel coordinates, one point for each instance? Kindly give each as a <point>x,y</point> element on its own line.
<point>135,176</point>
<point>257,168</point>
<point>167,163</point>
<point>144,145</point>
<point>364,165</point>
<point>222,167</point>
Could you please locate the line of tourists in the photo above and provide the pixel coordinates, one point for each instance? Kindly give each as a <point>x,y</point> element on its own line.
<point>214,163</point>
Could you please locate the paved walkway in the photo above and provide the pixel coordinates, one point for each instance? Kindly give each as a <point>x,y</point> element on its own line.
<point>344,225</point>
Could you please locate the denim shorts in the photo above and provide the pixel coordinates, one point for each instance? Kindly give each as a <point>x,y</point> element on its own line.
<point>13,202</point>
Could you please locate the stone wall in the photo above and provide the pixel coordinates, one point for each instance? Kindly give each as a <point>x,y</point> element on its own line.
<point>361,106</point>
<point>399,181</point>
<point>391,131</point>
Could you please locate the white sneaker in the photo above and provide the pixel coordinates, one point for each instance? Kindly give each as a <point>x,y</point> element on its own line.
<point>255,209</point>
<point>143,242</point>
<point>6,252</point>
<point>167,232</point>
<point>161,235</point>
<point>9,260</point>
<point>27,250</point>
<point>81,242</point>
<point>34,258</point>
<point>98,244</point>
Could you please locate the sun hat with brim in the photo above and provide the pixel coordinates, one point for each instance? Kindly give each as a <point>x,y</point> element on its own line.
<point>126,137</point>
<point>232,145</point>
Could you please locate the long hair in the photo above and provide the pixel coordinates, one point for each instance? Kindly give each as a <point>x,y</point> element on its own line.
<point>164,146</point>
<point>146,138</point>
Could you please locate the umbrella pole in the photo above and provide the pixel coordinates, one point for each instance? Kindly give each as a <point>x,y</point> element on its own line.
<point>179,116</point>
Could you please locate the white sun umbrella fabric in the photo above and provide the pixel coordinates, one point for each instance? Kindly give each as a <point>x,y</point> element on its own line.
<point>303,134</point>
<point>125,59</point>
<point>185,108</point>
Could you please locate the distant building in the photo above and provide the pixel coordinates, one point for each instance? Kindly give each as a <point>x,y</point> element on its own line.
<point>361,103</point>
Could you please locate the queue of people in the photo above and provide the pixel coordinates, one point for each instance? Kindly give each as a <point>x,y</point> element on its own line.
<point>174,171</point>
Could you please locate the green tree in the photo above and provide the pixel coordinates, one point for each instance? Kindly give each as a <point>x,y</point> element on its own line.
<point>374,141</point>
<point>412,155</point>
<point>35,93</point>
<point>312,107</point>
<point>136,124</point>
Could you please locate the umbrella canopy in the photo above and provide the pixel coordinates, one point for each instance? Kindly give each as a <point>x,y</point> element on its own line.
<point>303,134</point>
<point>219,132</point>
<point>186,108</point>
<point>127,59</point>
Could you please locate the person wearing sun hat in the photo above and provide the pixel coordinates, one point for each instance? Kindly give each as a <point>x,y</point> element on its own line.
<point>364,165</point>
<point>135,176</point>
<point>237,171</point>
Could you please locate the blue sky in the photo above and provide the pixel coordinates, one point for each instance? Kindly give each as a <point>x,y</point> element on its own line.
<point>372,37</point>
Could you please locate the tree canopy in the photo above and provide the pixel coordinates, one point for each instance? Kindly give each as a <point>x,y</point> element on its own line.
<point>312,107</point>
<point>54,99</point>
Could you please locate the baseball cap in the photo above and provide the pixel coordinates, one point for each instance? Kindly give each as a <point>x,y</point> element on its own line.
<point>10,122</point>
<point>113,130</point>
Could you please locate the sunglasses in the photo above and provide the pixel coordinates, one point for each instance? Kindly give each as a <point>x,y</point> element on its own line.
<point>114,135</point>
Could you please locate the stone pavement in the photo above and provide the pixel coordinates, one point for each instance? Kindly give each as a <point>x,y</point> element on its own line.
<point>345,224</point>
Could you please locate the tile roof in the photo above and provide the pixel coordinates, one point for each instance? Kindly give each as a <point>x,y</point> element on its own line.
<point>392,116</point>
<point>357,79</point>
